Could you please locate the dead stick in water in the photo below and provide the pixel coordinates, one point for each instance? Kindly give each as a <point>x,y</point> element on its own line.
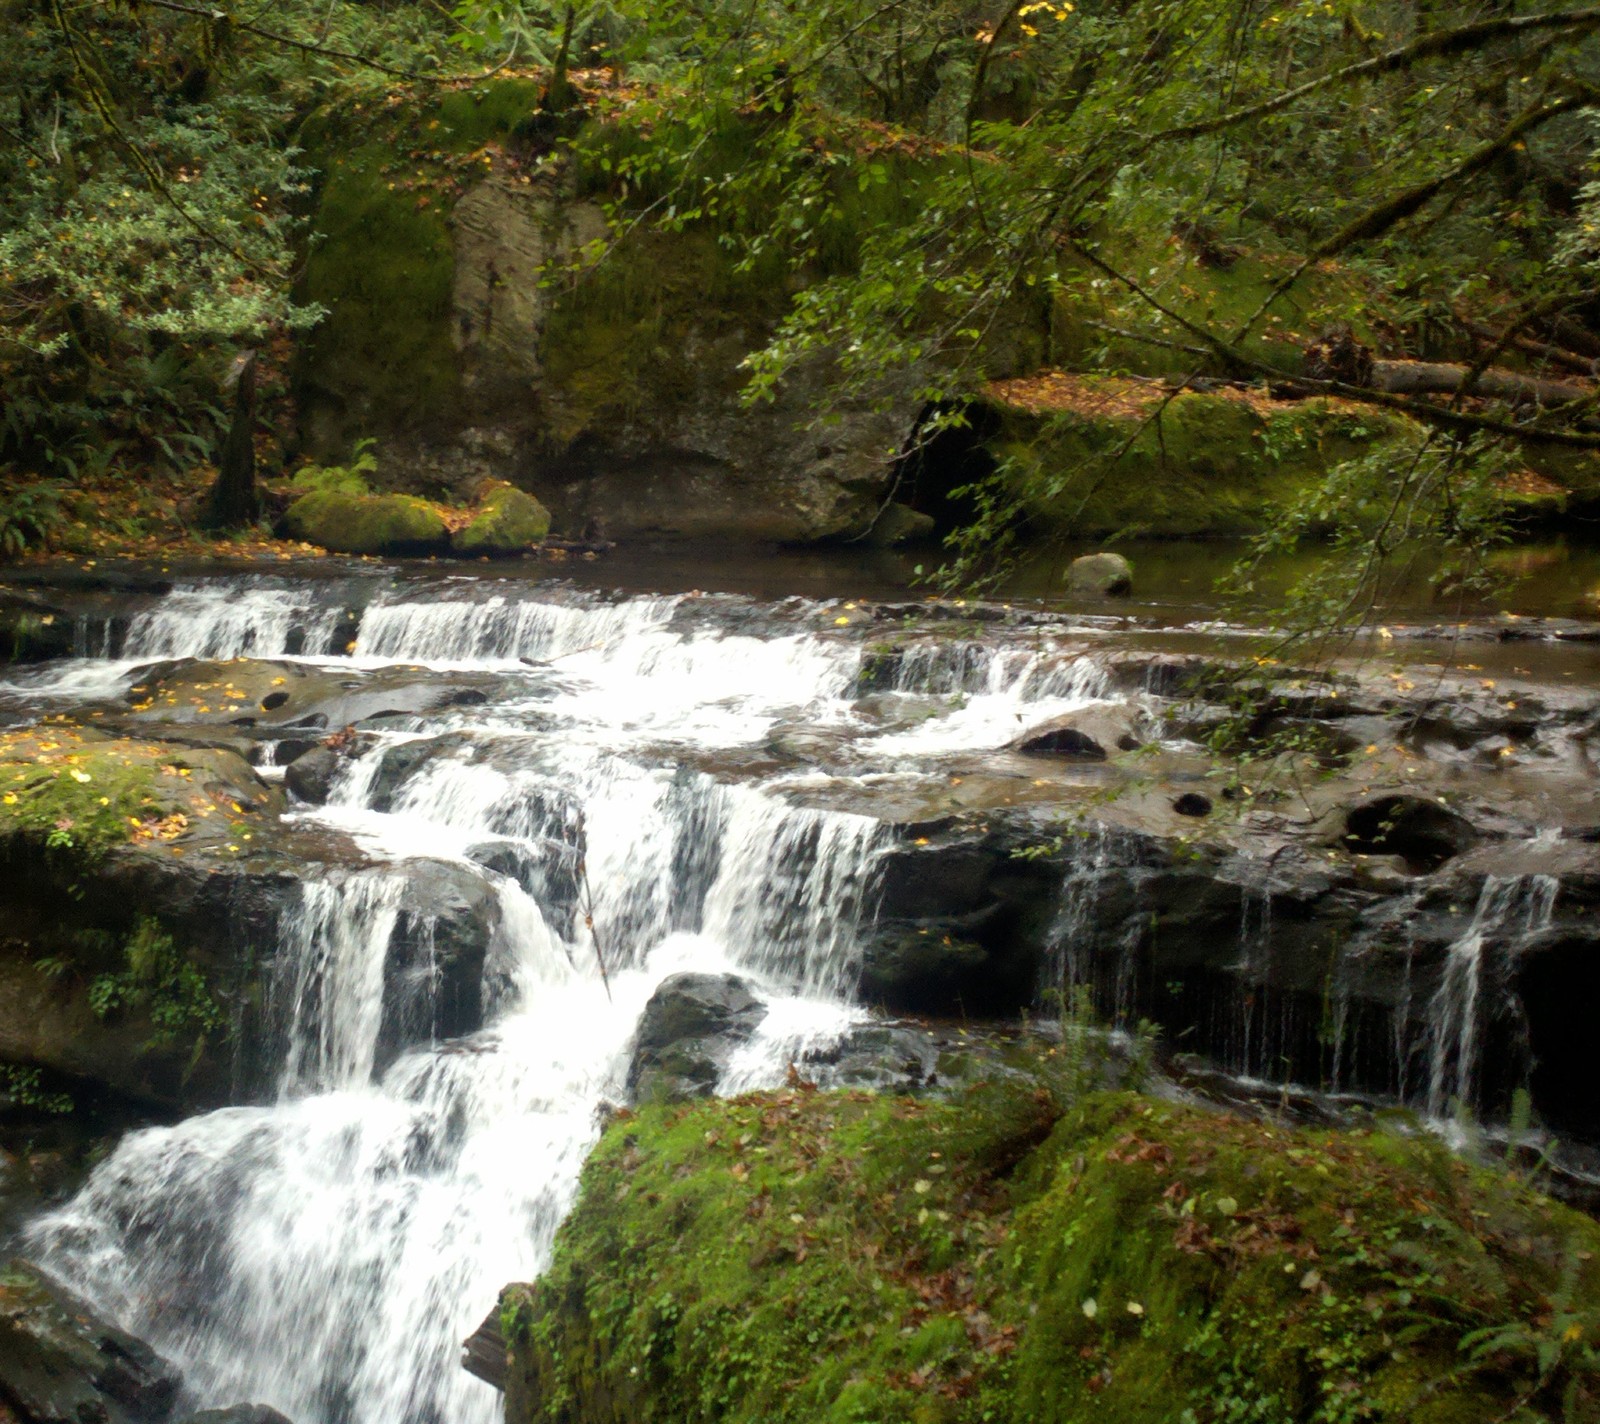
<point>588,919</point>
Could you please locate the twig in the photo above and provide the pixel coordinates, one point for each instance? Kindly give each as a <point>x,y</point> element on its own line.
<point>588,920</point>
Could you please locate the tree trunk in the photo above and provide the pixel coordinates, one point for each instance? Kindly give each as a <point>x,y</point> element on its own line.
<point>233,500</point>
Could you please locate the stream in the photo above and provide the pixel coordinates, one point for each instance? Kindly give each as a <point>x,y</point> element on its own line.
<point>652,782</point>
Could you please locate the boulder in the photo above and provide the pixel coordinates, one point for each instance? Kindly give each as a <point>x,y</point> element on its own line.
<point>687,1033</point>
<point>899,524</point>
<point>62,1363</point>
<point>1105,575</point>
<point>310,775</point>
<point>1093,733</point>
<point>236,1414</point>
<point>367,524</point>
<point>433,968</point>
<point>508,522</point>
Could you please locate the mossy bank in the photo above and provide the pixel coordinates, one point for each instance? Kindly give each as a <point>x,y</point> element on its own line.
<point>845,1257</point>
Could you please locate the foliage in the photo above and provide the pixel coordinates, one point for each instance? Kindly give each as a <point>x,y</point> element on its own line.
<point>25,1088</point>
<point>29,516</point>
<point>837,1256</point>
<point>159,980</point>
<point>340,479</point>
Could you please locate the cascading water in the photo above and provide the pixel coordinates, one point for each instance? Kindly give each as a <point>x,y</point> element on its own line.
<point>1509,907</point>
<point>326,1252</point>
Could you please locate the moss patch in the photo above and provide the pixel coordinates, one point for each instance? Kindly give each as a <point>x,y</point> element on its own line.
<point>844,1257</point>
<point>367,524</point>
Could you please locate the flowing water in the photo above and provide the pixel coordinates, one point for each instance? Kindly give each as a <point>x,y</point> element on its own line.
<point>1508,908</point>
<point>326,1252</point>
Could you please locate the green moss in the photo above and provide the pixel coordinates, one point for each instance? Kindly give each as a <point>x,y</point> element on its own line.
<point>366,524</point>
<point>508,522</point>
<point>83,794</point>
<point>805,1256</point>
<point>1196,465</point>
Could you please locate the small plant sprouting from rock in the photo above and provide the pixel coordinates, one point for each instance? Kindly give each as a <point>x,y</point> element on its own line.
<point>166,986</point>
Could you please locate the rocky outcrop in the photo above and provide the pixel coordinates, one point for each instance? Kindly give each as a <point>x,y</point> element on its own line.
<point>1145,1244</point>
<point>687,1033</point>
<point>612,395</point>
<point>62,1363</point>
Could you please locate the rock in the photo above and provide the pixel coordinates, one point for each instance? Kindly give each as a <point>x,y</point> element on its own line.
<point>687,1033</point>
<point>899,524</point>
<point>236,1414</point>
<point>61,1363</point>
<point>509,522</point>
<point>433,969</point>
<point>483,1353</point>
<point>310,775</point>
<point>1092,733</point>
<point>920,968</point>
<point>1107,575</point>
<point>275,698</point>
<point>32,628</point>
<point>367,524</point>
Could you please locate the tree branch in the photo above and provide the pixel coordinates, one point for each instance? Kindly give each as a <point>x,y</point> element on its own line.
<point>1430,46</point>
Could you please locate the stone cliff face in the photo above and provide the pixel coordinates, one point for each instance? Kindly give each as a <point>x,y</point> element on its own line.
<point>476,331</point>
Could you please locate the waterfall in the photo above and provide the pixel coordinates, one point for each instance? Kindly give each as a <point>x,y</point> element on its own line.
<point>1508,908</point>
<point>327,1251</point>
<point>229,619</point>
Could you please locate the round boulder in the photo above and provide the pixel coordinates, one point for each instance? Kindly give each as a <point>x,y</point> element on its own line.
<point>1104,575</point>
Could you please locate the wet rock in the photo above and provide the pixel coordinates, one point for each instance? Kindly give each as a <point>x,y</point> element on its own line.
<point>273,698</point>
<point>1424,833</point>
<point>546,871</point>
<point>886,1057</point>
<point>236,1414</point>
<point>433,969</point>
<point>508,522</point>
<point>1106,575</point>
<point>915,967</point>
<point>687,1033</point>
<point>367,524</point>
<point>1093,733</point>
<point>899,524</point>
<point>32,627</point>
<point>310,776</point>
<point>61,1363</point>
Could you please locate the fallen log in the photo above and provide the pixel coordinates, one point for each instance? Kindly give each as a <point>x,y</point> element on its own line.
<point>1437,378</point>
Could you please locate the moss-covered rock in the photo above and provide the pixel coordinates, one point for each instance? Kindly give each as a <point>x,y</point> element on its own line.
<point>127,928</point>
<point>841,1257</point>
<point>367,524</point>
<point>508,522</point>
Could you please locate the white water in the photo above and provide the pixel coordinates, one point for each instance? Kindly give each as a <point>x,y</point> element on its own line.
<point>1508,908</point>
<point>326,1252</point>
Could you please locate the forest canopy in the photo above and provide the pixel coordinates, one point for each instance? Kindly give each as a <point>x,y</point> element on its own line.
<point>1243,190</point>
